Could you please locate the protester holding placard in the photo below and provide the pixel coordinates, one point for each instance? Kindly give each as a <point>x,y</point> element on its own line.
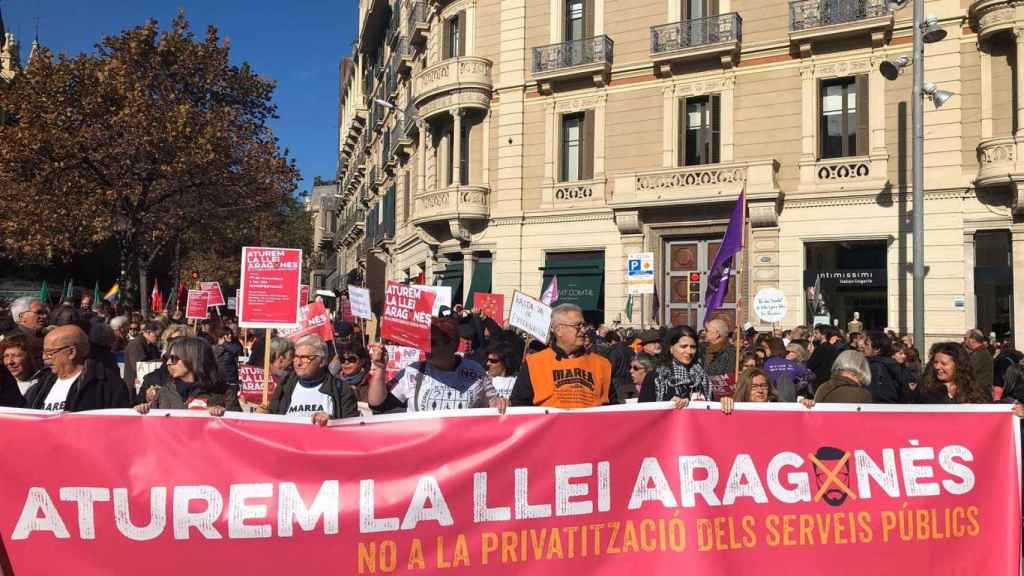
<point>196,382</point>
<point>565,375</point>
<point>444,382</point>
<point>311,390</point>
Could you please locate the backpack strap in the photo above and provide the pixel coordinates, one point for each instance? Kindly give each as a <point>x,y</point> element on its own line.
<point>420,374</point>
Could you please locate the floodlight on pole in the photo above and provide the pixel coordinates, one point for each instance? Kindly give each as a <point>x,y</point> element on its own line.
<point>939,97</point>
<point>931,31</point>
<point>890,69</point>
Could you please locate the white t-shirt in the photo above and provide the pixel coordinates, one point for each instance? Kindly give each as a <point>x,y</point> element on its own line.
<point>504,384</point>
<point>24,386</point>
<point>57,399</point>
<point>467,386</point>
<point>308,401</point>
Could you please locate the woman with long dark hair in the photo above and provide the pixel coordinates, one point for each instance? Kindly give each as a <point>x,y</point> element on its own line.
<point>196,381</point>
<point>948,378</point>
<point>679,375</point>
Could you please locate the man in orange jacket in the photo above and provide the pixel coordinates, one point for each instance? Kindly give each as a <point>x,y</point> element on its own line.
<point>566,374</point>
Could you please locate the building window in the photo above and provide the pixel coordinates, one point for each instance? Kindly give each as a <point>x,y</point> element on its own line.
<point>699,130</point>
<point>454,36</point>
<point>574,28</point>
<point>577,147</point>
<point>843,117</point>
<point>694,9</point>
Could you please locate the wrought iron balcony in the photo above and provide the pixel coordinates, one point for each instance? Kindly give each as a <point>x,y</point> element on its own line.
<point>392,79</point>
<point>403,52</point>
<point>417,24</point>
<point>409,119</point>
<point>698,38</point>
<point>353,223</point>
<point>573,59</point>
<point>822,19</point>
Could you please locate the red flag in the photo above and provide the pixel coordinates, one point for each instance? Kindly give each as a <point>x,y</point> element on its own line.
<point>156,299</point>
<point>422,278</point>
<point>179,302</point>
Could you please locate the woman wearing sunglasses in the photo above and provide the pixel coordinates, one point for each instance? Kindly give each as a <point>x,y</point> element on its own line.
<point>641,365</point>
<point>503,367</point>
<point>196,382</point>
<point>350,365</point>
<point>152,382</point>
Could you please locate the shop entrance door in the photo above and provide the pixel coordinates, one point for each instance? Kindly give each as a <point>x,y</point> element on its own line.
<point>682,292</point>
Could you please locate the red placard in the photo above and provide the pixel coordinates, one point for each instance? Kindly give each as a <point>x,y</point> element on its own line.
<point>345,309</point>
<point>270,287</point>
<point>406,317</point>
<point>196,305</point>
<point>216,296</point>
<point>315,320</point>
<point>250,383</point>
<point>304,294</point>
<point>829,491</point>
<point>399,357</point>
<point>491,304</point>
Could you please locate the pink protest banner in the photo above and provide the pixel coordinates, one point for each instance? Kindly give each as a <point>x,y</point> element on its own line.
<point>304,294</point>
<point>406,317</point>
<point>250,383</point>
<point>216,296</point>
<point>196,305</point>
<point>832,491</point>
<point>270,287</point>
<point>315,320</point>
<point>491,304</point>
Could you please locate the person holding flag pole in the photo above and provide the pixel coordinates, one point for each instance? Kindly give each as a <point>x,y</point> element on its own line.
<point>727,261</point>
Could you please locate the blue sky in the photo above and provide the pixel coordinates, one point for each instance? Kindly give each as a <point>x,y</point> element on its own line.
<point>298,43</point>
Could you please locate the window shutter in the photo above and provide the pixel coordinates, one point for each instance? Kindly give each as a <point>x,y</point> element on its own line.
<point>588,18</point>
<point>446,34</point>
<point>716,128</point>
<point>587,162</point>
<point>863,129</point>
<point>681,147</point>
<point>462,33</point>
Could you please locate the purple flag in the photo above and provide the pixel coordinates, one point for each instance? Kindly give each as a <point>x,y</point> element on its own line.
<point>718,275</point>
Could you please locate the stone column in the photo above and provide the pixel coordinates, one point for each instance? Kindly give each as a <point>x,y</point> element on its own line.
<point>808,107</point>
<point>1017,232</point>
<point>456,160</point>
<point>970,303</point>
<point>468,266</point>
<point>669,130</point>
<point>421,173</point>
<point>599,146</point>
<point>986,90</point>
<point>1018,88</point>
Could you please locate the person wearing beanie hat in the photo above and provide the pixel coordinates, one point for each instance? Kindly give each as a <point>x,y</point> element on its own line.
<point>445,381</point>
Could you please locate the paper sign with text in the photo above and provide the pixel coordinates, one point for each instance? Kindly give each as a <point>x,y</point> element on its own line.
<point>216,296</point>
<point>270,287</point>
<point>360,299</point>
<point>196,305</point>
<point>399,357</point>
<point>442,297</point>
<point>250,383</point>
<point>406,318</point>
<point>491,304</point>
<point>530,315</point>
<point>303,294</point>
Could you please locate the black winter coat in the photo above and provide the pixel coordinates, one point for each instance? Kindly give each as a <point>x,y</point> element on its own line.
<point>97,388</point>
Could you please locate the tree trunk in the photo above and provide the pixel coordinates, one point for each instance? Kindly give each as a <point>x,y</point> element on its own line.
<point>143,295</point>
<point>125,280</point>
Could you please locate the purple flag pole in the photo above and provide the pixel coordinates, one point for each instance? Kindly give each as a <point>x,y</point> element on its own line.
<point>718,275</point>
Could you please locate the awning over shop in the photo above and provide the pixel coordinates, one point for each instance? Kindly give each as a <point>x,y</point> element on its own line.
<point>481,281</point>
<point>580,278</point>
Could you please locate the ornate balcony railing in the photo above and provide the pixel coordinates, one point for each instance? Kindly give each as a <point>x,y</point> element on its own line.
<point>992,16</point>
<point>409,119</point>
<point>456,202</point>
<point>451,75</point>
<point>697,32</point>
<point>997,161</point>
<point>403,53</point>
<point>809,14</point>
<point>574,53</point>
<point>694,184</point>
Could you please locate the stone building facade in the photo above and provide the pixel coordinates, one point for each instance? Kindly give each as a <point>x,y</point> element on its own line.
<point>492,144</point>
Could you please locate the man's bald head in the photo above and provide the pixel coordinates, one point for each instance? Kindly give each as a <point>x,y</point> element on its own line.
<point>65,336</point>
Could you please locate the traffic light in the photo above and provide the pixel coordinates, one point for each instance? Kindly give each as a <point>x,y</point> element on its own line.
<point>694,288</point>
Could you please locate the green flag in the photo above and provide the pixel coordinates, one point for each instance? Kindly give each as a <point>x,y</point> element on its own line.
<point>70,291</point>
<point>629,308</point>
<point>96,293</point>
<point>44,294</point>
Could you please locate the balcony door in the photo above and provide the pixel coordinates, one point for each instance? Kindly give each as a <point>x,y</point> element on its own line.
<point>695,14</point>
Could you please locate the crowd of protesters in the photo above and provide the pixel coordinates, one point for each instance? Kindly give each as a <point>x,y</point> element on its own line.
<point>84,355</point>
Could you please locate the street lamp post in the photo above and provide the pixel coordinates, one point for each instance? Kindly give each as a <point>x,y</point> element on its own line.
<point>918,174</point>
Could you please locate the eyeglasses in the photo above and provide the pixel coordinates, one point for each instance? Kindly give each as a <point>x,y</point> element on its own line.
<point>306,358</point>
<point>172,359</point>
<point>637,368</point>
<point>348,359</point>
<point>47,354</point>
<point>493,361</point>
<point>577,327</point>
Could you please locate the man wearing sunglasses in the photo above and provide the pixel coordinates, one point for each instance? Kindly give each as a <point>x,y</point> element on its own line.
<point>566,374</point>
<point>445,381</point>
<point>74,383</point>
